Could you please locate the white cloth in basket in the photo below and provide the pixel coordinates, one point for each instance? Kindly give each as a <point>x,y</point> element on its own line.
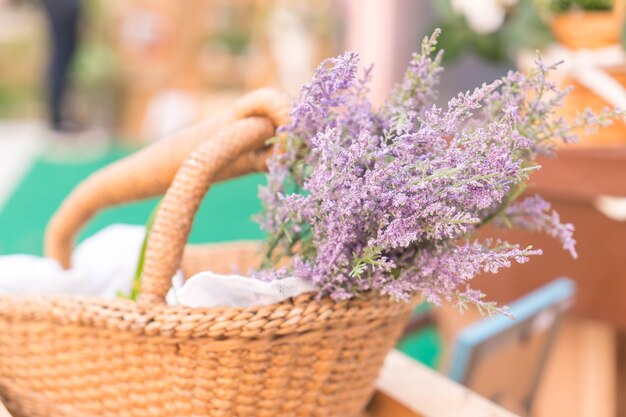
<point>207,289</point>
<point>104,264</point>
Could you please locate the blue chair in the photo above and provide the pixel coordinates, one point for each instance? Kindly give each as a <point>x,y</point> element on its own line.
<point>503,359</point>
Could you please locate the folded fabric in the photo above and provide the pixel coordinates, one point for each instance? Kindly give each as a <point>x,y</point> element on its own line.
<point>102,266</point>
<point>207,289</point>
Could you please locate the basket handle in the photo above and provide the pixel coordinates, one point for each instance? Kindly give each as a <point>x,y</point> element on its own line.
<point>174,219</point>
<point>150,171</point>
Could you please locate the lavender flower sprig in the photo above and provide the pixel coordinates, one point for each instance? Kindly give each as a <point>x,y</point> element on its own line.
<point>389,200</point>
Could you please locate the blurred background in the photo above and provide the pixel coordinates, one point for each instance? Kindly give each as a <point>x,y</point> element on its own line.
<point>85,82</point>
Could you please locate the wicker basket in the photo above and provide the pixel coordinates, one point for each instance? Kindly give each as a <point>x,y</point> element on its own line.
<point>70,356</point>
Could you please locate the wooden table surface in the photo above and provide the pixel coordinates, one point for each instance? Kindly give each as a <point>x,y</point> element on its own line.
<point>406,388</point>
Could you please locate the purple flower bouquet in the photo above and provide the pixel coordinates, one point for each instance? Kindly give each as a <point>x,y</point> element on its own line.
<point>389,200</point>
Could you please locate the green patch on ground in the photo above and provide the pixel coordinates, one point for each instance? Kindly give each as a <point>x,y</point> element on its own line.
<point>424,345</point>
<point>225,215</point>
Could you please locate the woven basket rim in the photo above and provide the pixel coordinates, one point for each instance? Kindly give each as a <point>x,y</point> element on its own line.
<point>297,315</point>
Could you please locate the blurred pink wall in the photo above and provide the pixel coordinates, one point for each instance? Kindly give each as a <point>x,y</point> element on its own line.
<point>384,32</point>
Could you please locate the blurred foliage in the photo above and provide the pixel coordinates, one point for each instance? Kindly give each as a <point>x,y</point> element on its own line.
<point>561,6</point>
<point>24,51</point>
<point>522,29</point>
<point>21,59</point>
<point>95,63</point>
<point>232,28</point>
<point>232,39</point>
<point>96,59</point>
<point>18,101</point>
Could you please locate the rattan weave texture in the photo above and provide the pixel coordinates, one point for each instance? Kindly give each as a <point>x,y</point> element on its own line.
<point>69,356</point>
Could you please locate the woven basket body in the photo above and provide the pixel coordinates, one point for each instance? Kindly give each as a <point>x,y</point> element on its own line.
<point>68,356</point>
<point>80,357</point>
